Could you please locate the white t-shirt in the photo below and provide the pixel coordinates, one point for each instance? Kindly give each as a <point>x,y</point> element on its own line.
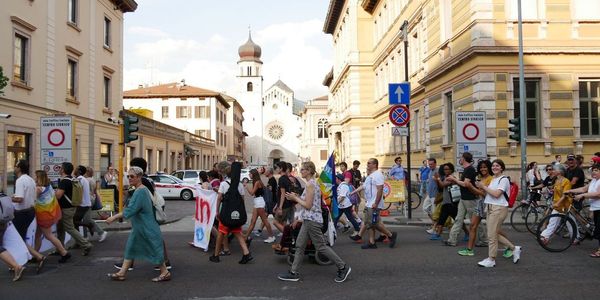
<point>594,188</point>
<point>371,182</point>
<point>25,188</point>
<point>224,186</point>
<point>92,185</point>
<point>500,183</point>
<point>342,193</point>
<point>86,199</point>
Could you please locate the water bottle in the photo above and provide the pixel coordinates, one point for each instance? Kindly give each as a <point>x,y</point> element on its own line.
<point>374,217</point>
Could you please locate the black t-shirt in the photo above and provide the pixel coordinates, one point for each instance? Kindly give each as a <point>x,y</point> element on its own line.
<point>66,185</point>
<point>356,177</point>
<point>284,183</point>
<point>471,174</point>
<point>273,184</point>
<point>548,181</point>
<point>576,172</point>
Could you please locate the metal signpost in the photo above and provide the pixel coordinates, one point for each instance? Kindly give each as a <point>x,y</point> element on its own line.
<point>56,144</point>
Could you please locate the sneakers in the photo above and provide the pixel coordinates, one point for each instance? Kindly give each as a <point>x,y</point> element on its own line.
<point>487,263</point>
<point>168,263</point>
<point>119,266</point>
<point>380,239</point>
<point>369,246</point>
<point>257,232</point>
<point>245,259</point>
<point>342,274</point>
<point>345,229</point>
<point>63,259</point>
<point>214,259</point>
<point>270,240</point>
<point>103,237</point>
<point>290,276</point>
<point>507,253</point>
<point>355,237</point>
<point>87,251</point>
<point>430,231</point>
<point>449,244</point>
<point>481,244</point>
<point>466,252</point>
<point>435,237</point>
<point>516,254</point>
<point>393,239</point>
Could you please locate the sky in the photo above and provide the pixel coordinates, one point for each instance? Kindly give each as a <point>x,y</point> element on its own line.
<point>197,40</point>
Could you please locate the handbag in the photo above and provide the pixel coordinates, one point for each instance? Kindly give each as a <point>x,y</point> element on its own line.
<point>455,193</point>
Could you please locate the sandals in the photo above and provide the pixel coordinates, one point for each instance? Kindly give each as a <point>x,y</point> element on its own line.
<point>595,254</point>
<point>18,273</point>
<point>116,277</point>
<point>41,264</point>
<point>162,277</point>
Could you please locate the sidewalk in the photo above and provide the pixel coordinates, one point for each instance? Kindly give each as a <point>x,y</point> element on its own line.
<point>398,217</point>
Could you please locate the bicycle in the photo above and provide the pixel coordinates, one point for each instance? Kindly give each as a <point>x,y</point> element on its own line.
<point>569,226</point>
<point>525,216</point>
<point>415,202</point>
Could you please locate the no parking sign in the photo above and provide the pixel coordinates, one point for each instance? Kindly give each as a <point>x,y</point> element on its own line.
<point>470,134</point>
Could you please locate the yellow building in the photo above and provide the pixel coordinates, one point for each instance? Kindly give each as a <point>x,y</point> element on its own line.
<point>61,58</point>
<point>462,56</point>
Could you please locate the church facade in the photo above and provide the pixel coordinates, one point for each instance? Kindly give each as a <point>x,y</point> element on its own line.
<point>271,117</point>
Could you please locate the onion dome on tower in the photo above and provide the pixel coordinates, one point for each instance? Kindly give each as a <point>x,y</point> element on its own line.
<point>250,51</point>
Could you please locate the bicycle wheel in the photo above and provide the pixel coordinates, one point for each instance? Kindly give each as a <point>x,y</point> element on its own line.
<point>533,217</point>
<point>415,199</point>
<point>563,235</point>
<point>518,217</point>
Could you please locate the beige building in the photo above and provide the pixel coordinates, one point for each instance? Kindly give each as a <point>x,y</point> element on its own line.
<point>235,131</point>
<point>462,56</point>
<point>314,135</point>
<point>61,58</point>
<point>196,110</point>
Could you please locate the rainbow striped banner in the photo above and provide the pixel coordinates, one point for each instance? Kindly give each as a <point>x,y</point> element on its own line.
<point>328,186</point>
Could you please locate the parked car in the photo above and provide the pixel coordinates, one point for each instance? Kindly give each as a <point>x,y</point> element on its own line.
<point>245,174</point>
<point>189,176</point>
<point>171,187</point>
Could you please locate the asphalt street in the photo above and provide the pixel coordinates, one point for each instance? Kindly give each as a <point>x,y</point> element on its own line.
<point>416,269</point>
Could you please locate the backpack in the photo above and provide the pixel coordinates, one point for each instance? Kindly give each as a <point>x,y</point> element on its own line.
<point>77,194</point>
<point>268,196</point>
<point>233,210</point>
<point>513,192</point>
<point>7,210</point>
<point>158,203</point>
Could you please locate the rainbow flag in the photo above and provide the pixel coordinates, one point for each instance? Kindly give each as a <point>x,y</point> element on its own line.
<point>328,186</point>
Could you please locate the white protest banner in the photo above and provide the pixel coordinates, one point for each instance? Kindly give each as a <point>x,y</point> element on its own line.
<point>15,245</point>
<point>204,217</point>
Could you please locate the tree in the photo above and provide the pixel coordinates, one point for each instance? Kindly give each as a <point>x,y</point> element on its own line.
<point>3,81</point>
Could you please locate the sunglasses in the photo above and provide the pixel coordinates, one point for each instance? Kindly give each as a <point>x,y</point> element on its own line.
<point>131,176</point>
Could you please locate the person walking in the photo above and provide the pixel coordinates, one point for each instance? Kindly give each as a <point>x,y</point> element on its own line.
<point>24,201</point>
<point>6,257</point>
<point>145,240</point>
<point>112,181</point>
<point>284,212</point>
<point>431,190</point>
<point>257,191</point>
<point>311,214</point>
<point>64,193</point>
<point>497,210</point>
<point>344,204</point>
<point>423,177</point>
<point>87,217</point>
<point>47,214</point>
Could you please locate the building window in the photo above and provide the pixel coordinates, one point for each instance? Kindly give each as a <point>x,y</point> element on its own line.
<point>165,112</point>
<point>71,78</point>
<point>73,11</point>
<point>532,104</point>
<point>530,9</point>
<point>105,161</point>
<point>323,154</point>
<point>586,10</point>
<point>589,95</point>
<point>322,129</point>
<point>249,87</point>
<point>449,118</point>
<point>183,112</point>
<point>249,71</point>
<point>20,61</point>
<point>107,91</point>
<point>107,32</point>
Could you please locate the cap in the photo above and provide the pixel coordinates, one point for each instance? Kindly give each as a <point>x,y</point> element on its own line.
<point>339,176</point>
<point>596,159</point>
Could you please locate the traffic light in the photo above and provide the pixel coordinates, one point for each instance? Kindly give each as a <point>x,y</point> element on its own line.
<point>129,128</point>
<point>515,129</point>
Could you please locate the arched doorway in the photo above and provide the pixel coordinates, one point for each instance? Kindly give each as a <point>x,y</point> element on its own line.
<point>275,156</point>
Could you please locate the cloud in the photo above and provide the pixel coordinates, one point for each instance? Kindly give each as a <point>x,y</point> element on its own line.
<point>289,53</point>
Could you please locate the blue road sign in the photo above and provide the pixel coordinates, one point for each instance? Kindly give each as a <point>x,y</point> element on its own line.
<point>399,93</point>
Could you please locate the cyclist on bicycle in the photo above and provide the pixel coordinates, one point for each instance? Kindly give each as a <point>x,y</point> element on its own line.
<point>534,179</point>
<point>592,192</point>
<point>561,201</point>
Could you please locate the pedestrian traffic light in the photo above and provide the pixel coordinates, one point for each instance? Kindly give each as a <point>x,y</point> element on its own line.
<point>515,129</point>
<point>129,128</point>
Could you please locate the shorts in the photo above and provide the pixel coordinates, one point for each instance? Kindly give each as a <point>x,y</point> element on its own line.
<point>368,217</point>
<point>259,202</point>
<point>287,214</point>
<point>226,230</point>
<point>480,208</point>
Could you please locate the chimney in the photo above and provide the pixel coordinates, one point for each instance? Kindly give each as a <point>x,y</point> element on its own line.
<point>140,86</point>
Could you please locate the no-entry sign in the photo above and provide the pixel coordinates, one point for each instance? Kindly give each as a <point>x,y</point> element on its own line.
<point>56,143</point>
<point>470,134</point>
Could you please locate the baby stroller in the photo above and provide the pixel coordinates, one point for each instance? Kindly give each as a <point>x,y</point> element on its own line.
<point>289,242</point>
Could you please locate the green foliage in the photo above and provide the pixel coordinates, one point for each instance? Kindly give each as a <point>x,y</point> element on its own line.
<point>3,81</point>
